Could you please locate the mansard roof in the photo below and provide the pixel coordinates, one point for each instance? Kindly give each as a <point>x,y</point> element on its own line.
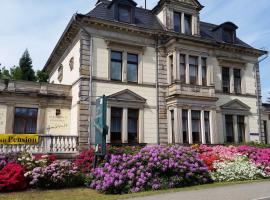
<point>143,18</point>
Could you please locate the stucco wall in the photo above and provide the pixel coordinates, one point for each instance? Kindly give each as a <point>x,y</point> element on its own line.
<point>69,77</point>
<point>3,115</point>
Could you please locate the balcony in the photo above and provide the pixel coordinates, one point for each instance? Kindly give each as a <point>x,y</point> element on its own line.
<point>197,91</point>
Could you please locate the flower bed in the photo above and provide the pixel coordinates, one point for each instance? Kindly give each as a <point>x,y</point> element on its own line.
<point>134,169</point>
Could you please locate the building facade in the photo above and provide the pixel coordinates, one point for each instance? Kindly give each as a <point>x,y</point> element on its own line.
<point>169,77</point>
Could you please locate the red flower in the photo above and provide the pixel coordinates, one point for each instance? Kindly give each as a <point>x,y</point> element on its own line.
<point>209,159</point>
<point>12,178</point>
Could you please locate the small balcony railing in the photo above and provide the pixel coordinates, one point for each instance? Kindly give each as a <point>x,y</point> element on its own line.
<point>55,144</point>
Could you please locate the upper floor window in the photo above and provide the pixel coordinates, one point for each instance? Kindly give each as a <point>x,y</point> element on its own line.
<point>124,13</point>
<point>183,68</point>
<point>171,67</point>
<point>237,80</point>
<point>228,35</point>
<point>204,71</point>
<point>193,70</point>
<point>132,67</point>
<point>177,22</point>
<point>116,65</point>
<point>188,24</point>
<point>60,73</point>
<point>226,79</point>
<point>25,120</point>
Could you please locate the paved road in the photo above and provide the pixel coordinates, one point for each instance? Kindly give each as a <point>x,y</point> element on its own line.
<point>252,191</point>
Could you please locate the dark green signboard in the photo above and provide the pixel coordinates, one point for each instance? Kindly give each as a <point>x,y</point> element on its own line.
<point>101,126</point>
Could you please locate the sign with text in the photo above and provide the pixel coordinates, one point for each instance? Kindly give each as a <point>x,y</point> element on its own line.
<point>101,128</point>
<point>18,139</point>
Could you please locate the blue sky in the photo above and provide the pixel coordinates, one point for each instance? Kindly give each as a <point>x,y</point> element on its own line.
<point>38,24</point>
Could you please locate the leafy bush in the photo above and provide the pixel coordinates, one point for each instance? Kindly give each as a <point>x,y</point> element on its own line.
<point>12,178</point>
<point>239,169</point>
<point>151,168</point>
<point>85,160</point>
<point>60,174</point>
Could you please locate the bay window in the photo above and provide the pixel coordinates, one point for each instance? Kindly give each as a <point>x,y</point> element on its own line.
<point>226,79</point>
<point>185,126</point>
<point>177,22</point>
<point>193,70</point>
<point>183,68</point>
<point>196,126</point>
<point>204,71</point>
<point>188,24</point>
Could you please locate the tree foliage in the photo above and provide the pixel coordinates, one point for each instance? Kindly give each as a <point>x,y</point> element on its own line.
<point>25,63</point>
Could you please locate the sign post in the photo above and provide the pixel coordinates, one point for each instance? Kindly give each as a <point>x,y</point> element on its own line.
<point>101,128</point>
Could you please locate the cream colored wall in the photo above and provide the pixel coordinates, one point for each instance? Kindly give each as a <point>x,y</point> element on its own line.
<point>57,125</point>
<point>3,116</point>
<point>74,109</point>
<point>253,118</point>
<point>69,77</point>
<point>147,64</point>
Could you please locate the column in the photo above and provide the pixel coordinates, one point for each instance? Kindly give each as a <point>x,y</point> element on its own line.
<point>235,129</point>
<point>177,126</point>
<point>190,138</point>
<point>169,122</point>
<point>213,125</point>
<point>187,69</point>
<point>125,126</point>
<point>200,70</point>
<point>247,136</point>
<point>182,23</point>
<point>108,138</point>
<point>141,125</point>
<point>10,118</point>
<point>203,128</point>
<point>231,81</point>
<point>41,120</point>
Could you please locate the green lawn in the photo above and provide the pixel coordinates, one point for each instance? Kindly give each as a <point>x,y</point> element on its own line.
<point>88,194</point>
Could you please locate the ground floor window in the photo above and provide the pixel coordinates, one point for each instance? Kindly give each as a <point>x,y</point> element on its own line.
<point>116,125</point>
<point>196,126</point>
<point>133,115</point>
<point>25,120</point>
<point>241,128</point>
<point>265,131</point>
<point>229,128</point>
<point>172,126</point>
<point>207,127</point>
<point>185,126</point>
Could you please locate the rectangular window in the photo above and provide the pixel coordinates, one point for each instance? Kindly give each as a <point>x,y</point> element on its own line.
<point>25,120</point>
<point>172,126</point>
<point>226,79</point>
<point>177,22</point>
<point>265,131</point>
<point>171,68</point>
<point>188,24</point>
<point>124,13</point>
<point>193,70</point>
<point>241,128</point>
<point>228,36</point>
<point>183,68</point>
<point>116,125</point>
<point>185,126</point>
<point>207,127</point>
<point>237,80</point>
<point>229,128</point>
<point>196,126</point>
<point>133,115</point>
<point>132,68</point>
<point>116,66</point>
<point>204,71</point>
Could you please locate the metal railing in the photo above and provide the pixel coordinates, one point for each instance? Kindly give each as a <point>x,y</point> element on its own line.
<point>56,144</point>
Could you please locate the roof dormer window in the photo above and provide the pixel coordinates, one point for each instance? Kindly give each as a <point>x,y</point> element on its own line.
<point>124,13</point>
<point>228,35</point>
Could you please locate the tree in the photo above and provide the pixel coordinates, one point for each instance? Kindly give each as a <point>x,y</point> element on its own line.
<point>42,76</point>
<point>16,73</point>
<point>4,74</point>
<point>28,74</point>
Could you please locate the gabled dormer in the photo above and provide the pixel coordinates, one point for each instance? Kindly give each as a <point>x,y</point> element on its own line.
<point>181,16</point>
<point>124,10</point>
<point>226,32</point>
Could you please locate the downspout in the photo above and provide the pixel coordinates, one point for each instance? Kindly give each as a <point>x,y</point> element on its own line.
<point>90,77</point>
<point>258,94</point>
<point>157,89</point>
